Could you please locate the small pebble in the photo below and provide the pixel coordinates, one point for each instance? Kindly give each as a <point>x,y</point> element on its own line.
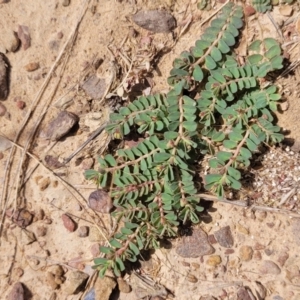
<point>41,231</point>
<point>1,155</point>
<point>214,260</point>
<point>249,10</point>
<point>17,292</point>
<point>44,183</point>
<point>87,163</point>
<point>257,255</point>
<point>24,36</point>
<point>100,201</point>
<point>69,224</point>
<point>83,231</point>
<point>17,272</point>
<point>269,267</point>
<point>60,35</point>
<point>32,66</point>
<point>95,250</point>
<point>245,253</point>
<point>20,104</point>
<point>66,2</point>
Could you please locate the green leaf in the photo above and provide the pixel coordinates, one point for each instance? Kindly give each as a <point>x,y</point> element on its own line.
<point>254,59</point>
<point>273,51</point>
<point>228,38</point>
<point>115,243</point>
<point>110,160</point>
<point>255,46</point>
<point>234,183</point>
<point>251,145</point>
<point>124,111</point>
<point>212,178</point>
<point>120,263</point>
<point>245,153</point>
<point>210,63</point>
<point>170,135</point>
<point>106,250</point>
<point>216,54</point>
<point>269,43</point>
<point>100,261</point>
<point>198,73</point>
<point>229,144</point>
<point>189,125</point>
<point>224,156</point>
<point>134,248</point>
<point>161,157</point>
<point>234,173</point>
<point>223,47</point>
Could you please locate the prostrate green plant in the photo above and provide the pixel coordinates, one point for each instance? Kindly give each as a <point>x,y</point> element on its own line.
<point>153,185</point>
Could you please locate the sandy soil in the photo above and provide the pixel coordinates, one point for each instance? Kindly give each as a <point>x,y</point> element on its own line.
<point>64,64</point>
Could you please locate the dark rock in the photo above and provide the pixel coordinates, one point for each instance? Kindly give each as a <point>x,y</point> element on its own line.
<point>94,87</point>
<point>53,162</point>
<point>17,292</point>
<point>69,224</point>
<point>194,245</point>
<point>22,217</point>
<point>3,78</point>
<point>244,294</point>
<point>224,237</point>
<point>60,126</point>
<point>269,267</point>
<point>24,36</point>
<point>155,20</point>
<point>100,201</point>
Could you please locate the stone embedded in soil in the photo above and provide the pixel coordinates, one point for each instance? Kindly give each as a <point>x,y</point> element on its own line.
<point>244,294</point>
<point>20,104</point>
<point>56,270</point>
<point>69,224</point>
<point>44,183</point>
<point>17,292</point>
<point>123,286</point>
<point>245,253</point>
<point>100,201</point>
<point>53,162</point>
<point>2,110</point>
<point>249,10</point>
<point>242,229</point>
<point>94,87</point>
<point>194,245</point>
<point>87,163</point>
<point>286,10</point>
<point>214,260</point>
<point>207,297</point>
<point>229,251</point>
<point>257,255</point>
<point>155,20</point>
<point>260,215</point>
<point>32,66</point>
<point>260,290</point>
<point>50,281</point>
<point>24,36</point>
<point>83,231</point>
<point>65,2</point>
<point>283,256</point>
<point>60,126</point>
<point>95,250</point>
<point>77,263</point>
<point>269,267</point>
<point>75,282</point>
<point>22,217</point>
<point>224,237</point>
<point>17,272</point>
<point>41,231</point>
<point>104,287</point>
<point>3,78</point>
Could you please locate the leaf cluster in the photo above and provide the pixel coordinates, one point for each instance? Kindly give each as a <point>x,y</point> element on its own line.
<point>153,184</point>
